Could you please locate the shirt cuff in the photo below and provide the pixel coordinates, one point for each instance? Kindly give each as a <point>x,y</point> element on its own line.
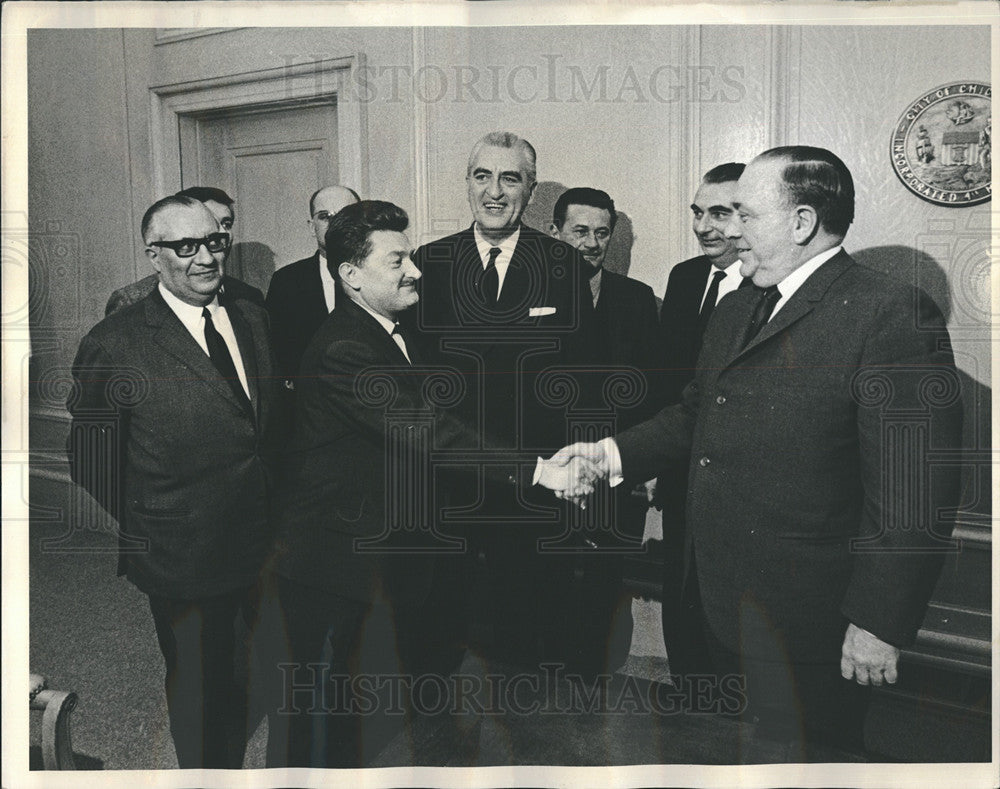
<point>538,472</point>
<point>614,460</point>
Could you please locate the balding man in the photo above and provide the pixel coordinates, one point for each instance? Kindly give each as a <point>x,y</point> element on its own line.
<point>171,403</point>
<point>303,293</point>
<point>223,209</point>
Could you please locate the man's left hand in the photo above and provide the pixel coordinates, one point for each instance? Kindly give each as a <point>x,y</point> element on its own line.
<point>867,658</point>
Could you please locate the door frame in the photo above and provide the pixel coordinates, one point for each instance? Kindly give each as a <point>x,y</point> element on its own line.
<point>282,86</point>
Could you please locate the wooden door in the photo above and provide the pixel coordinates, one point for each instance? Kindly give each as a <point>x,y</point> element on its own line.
<point>270,160</point>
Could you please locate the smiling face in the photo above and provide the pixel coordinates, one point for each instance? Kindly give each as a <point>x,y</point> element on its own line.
<point>386,279</point>
<point>194,280</point>
<point>500,188</point>
<point>765,225</point>
<point>587,229</point>
<point>710,214</point>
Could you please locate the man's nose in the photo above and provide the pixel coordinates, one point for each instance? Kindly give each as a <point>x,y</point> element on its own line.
<point>734,226</point>
<point>410,270</point>
<point>203,256</point>
<point>495,188</point>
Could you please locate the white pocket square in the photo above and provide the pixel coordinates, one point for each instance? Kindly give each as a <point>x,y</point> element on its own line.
<point>540,312</point>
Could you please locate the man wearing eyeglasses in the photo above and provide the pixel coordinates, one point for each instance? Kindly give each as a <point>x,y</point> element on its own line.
<point>303,293</point>
<point>171,406</point>
<point>223,209</point>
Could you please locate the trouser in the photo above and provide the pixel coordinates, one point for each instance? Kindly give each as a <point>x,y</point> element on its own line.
<point>311,647</point>
<point>796,704</point>
<point>206,700</point>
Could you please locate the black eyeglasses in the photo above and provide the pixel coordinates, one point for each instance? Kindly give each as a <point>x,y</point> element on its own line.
<point>188,247</point>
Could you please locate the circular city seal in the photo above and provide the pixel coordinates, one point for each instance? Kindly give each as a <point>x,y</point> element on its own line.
<point>941,146</point>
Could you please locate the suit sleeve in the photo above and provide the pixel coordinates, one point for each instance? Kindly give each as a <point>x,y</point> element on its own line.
<point>649,361</point>
<point>97,436</point>
<point>661,440</point>
<point>908,401</point>
<point>359,386</point>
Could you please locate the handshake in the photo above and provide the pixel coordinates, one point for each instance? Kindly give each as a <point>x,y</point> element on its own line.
<point>573,472</point>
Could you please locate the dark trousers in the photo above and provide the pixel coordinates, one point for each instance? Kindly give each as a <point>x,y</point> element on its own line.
<point>308,649</point>
<point>795,704</point>
<point>206,700</point>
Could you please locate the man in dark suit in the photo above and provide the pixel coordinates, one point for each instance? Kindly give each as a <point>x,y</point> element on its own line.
<point>626,321</point>
<point>222,207</point>
<point>501,303</point>
<point>338,495</point>
<point>816,526</point>
<point>303,293</point>
<point>171,403</point>
<point>694,288</point>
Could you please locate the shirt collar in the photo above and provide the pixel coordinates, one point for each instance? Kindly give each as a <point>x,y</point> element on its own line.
<point>794,281</point>
<point>506,246</point>
<point>383,321</point>
<point>188,313</point>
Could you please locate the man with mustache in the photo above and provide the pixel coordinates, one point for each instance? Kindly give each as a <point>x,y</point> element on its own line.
<point>345,551</point>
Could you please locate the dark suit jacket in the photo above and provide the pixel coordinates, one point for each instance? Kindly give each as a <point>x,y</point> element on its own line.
<point>297,308</point>
<point>627,328</point>
<point>136,291</point>
<point>680,331</point>
<point>501,352</point>
<point>334,489</point>
<point>160,441</point>
<point>794,453</point>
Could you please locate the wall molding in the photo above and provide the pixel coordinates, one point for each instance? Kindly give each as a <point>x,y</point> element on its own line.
<point>168,35</point>
<point>283,86</point>
<point>420,147</point>
<point>783,85</point>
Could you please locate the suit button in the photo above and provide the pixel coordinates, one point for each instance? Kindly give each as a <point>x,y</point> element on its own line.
<point>704,462</point>
<point>721,399</point>
<point>410,427</point>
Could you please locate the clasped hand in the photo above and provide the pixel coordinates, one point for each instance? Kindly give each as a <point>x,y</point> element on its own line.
<point>573,472</point>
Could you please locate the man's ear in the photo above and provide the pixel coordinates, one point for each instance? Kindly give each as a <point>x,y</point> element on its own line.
<point>531,192</point>
<point>154,257</point>
<point>806,224</point>
<point>553,230</point>
<point>349,275</point>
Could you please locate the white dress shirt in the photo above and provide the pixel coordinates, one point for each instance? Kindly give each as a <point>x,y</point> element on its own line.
<point>389,327</point>
<point>191,317</point>
<point>503,259</point>
<point>727,284</point>
<point>329,284</point>
<point>786,288</point>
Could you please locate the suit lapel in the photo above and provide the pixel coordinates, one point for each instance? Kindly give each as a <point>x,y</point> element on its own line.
<point>376,334</point>
<point>314,287</point>
<point>175,339</point>
<point>801,303</point>
<point>248,346</point>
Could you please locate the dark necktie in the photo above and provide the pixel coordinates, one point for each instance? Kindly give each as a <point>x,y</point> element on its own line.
<point>218,351</point>
<point>399,337</point>
<point>768,297</point>
<point>489,285</point>
<point>710,298</point>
